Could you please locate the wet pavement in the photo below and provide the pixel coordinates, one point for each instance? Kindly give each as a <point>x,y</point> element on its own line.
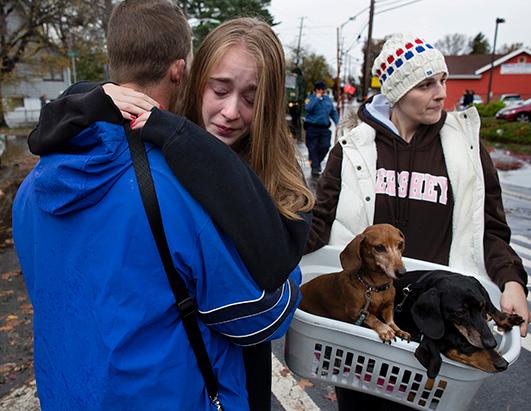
<point>17,389</point>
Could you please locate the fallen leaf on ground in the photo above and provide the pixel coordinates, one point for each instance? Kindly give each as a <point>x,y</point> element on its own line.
<point>7,367</point>
<point>26,308</point>
<point>330,395</point>
<point>285,372</point>
<point>11,321</point>
<point>304,383</point>
<point>7,275</point>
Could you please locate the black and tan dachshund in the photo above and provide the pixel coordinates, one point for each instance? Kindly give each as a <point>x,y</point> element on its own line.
<point>449,312</point>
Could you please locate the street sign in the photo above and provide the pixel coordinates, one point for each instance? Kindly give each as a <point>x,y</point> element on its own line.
<point>72,54</point>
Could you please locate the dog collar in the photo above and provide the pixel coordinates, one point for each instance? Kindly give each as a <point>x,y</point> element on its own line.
<point>372,288</point>
<point>408,289</point>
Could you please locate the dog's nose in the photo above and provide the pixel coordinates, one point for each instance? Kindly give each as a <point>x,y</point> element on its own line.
<point>500,364</point>
<point>400,271</point>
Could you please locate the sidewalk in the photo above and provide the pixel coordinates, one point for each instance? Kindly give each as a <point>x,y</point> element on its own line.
<point>23,398</point>
<point>520,178</point>
<point>348,121</point>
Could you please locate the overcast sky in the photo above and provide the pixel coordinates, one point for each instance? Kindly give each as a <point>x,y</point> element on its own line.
<point>430,19</point>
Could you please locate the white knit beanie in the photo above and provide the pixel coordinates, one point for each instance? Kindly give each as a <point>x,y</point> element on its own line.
<point>404,62</point>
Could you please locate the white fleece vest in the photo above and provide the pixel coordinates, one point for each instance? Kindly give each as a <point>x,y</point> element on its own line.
<point>460,144</point>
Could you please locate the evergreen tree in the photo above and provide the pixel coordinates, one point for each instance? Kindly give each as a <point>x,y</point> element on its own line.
<point>210,13</point>
<point>453,44</point>
<point>314,68</point>
<point>479,44</point>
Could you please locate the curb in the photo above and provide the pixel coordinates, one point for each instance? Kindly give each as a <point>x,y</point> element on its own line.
<point>23,398</point>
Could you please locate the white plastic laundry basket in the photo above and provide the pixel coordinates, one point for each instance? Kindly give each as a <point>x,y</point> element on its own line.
<point>354,357</point>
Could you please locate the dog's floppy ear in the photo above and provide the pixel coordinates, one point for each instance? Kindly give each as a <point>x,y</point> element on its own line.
<point>350,257</point>
<point>426,313</point>
<point>429,355</point>
<point>403,238</point>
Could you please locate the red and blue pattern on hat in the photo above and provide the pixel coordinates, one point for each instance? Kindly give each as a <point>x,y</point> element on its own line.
<point>404,62</point>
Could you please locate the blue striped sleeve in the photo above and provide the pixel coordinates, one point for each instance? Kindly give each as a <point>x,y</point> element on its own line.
<point>248,324</point>
<point>228,299</point>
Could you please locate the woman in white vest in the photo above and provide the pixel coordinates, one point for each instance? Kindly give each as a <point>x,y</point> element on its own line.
<point>411,164</point>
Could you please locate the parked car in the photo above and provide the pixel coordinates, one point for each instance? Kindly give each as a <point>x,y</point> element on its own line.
<point>520,112</point>
<point>511,99</point>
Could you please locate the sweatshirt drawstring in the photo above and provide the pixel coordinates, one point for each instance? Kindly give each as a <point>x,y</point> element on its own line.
<point>410,171</point>
<point>397,209</point>
<point>399,222</point>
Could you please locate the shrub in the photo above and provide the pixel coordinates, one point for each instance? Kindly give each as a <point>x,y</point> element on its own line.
<point>502,131</point>
<point>490,109</point>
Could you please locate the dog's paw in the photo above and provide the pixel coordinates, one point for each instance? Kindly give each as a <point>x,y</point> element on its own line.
<point>386,333</point>
<point>507,321</point>
<point>515,319</point>
<point>404,335</point>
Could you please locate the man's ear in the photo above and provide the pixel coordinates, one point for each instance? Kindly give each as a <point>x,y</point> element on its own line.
<point>177,71</point>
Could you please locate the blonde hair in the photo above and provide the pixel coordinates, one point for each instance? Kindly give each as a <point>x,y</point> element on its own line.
<point>272,150</point>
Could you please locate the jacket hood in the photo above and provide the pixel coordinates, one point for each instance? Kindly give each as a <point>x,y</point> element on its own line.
<point>378,110</point>
<point>68,182</point>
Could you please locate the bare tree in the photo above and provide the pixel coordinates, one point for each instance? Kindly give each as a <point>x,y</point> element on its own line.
<point>453,44</point>
<point>40,33</point>
<point>507,48</point>
<point>23,34</point>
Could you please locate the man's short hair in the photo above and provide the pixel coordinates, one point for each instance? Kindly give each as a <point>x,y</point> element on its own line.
<point>144,38</point>
<point>320,85</point>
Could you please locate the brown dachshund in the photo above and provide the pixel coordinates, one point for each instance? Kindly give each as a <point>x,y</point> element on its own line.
<point>363,293</point>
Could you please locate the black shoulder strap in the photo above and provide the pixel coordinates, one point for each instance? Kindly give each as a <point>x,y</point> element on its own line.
<point>185,303</point>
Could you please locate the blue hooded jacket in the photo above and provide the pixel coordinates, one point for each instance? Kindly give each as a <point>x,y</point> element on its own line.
<point>107,331</point>
<point>320,110</point>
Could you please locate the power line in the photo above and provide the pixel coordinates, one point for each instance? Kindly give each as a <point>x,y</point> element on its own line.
<point>388,2</point>
<point>357,38</point>
<point>399,6</point>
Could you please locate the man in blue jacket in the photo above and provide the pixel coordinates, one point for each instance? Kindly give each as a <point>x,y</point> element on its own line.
<point>107,332</point>
<point>319,109</point>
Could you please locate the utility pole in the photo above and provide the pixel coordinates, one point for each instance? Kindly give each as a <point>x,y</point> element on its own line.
<point>338,80</point>
<point>489,92</point>
<point>339,53</point>
<point>366,68</point>
<point>299,43</point>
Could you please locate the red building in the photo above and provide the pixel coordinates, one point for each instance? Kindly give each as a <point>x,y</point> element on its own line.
<point>512,74</point>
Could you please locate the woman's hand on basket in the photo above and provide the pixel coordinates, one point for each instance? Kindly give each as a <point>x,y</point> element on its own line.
<point>514,301</point>
<point>131,103</point>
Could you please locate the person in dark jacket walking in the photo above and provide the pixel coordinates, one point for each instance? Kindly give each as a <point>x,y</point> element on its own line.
<point>319,110</point>
<point>91,265</point>
<point>411,164</point>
